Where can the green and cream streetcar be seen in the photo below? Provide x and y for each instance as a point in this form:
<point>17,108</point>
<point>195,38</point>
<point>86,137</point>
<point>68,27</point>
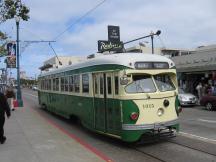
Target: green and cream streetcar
<point>124,95</point>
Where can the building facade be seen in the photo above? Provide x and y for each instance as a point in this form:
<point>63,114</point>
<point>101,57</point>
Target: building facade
<point>198,66</point>
<point>59,62</point>
<point>193,65</point>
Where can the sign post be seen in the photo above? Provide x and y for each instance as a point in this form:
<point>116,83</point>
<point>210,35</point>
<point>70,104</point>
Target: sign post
<point>113,43</point>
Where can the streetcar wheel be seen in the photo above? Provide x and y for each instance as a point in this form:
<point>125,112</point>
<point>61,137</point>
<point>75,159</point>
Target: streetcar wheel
<point>209,106</point>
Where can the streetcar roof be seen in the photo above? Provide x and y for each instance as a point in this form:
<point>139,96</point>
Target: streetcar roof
<point>125,59</point>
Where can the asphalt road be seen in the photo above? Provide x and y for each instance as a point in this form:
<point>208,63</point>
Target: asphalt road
<point>199,122</point>
<point>195,142</point>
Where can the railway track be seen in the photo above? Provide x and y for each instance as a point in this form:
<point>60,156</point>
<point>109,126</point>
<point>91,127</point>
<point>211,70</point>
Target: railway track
<point>158,155</point>
<point>149,155</point>
<point>190,147</point>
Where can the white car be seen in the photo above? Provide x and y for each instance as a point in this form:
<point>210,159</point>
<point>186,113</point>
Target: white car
<point>35,88</point>
<point>186,99</point>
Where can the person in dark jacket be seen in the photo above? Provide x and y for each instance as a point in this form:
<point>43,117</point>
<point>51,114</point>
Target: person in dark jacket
<point>4,108</point>
<point>10,95</point>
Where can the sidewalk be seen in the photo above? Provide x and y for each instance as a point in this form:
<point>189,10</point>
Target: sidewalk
<point>30,138</point>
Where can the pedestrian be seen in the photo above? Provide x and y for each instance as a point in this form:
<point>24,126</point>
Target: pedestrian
<point>199,90</point>
<point>214,90</point>
<point>10,95</point>
<point>184,86</point>
<point>4,108</point>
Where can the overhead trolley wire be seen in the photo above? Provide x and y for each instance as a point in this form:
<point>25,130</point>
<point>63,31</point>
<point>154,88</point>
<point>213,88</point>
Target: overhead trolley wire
<point>79,19</point>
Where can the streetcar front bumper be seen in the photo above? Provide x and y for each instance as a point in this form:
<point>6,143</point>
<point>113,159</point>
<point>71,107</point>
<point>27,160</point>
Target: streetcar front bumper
<point>132,132</point>
<point>154,126</point>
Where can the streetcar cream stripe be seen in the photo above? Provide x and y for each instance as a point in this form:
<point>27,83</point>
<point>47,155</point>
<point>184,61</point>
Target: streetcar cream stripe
<point>207,121</point>
<point>199,137</point>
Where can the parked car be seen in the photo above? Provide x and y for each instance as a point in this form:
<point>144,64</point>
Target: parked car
<point>186,99</point>
<point>34,87</point>
<point>209,101</point>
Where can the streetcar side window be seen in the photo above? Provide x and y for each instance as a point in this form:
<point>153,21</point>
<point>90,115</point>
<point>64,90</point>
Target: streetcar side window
<point>96,84</point>
<point>46,84</point>
<point>85,83</point>
<point>116,85</point>
<point>49,84</point>
<point>77,83</point>
<point>62,83</point>
<point>71,84</point>
<point>57,84</point>
<point>109,85</point>
<point>42,84</point>
<point>54,84</point>
<point>101,84</point>
<point>66,84</point>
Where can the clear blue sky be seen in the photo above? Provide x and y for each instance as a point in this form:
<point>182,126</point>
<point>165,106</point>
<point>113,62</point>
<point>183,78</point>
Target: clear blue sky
<point>184,24</point>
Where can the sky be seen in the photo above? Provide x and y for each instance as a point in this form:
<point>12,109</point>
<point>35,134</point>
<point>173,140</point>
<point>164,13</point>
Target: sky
<point>183,24</point>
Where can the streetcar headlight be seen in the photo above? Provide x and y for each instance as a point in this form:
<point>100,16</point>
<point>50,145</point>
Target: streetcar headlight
<point>160,111</point>
<point>134,115</point>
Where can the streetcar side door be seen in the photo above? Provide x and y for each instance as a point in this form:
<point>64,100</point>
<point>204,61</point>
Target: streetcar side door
<point>100,101</point>
<point>113,110</point>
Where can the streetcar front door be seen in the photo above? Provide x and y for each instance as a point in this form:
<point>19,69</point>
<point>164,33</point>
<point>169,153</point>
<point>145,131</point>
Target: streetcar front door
<point>100,99</point>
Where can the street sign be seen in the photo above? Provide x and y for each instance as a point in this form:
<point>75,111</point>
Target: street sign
<point>113,33</point>
<point>109,46</point>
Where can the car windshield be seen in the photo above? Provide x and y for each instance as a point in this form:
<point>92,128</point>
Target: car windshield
<point>141,84</point>
<point>164,82</point>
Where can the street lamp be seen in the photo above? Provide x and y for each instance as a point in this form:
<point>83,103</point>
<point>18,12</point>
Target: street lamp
<point>152,37</point>
<point>19,94</point>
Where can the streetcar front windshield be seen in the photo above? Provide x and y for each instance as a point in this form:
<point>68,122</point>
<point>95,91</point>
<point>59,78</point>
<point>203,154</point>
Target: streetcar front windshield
<point>145,83</point>
<point>164,82</point>
<point>141,84</point>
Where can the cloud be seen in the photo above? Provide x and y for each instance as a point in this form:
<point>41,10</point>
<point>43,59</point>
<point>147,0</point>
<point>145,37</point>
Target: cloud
<point>184,24</point>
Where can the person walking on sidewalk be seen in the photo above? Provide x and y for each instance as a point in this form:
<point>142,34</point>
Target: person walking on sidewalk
<point>199,88</point>
<point>10,95</point>
<point>4,108</point>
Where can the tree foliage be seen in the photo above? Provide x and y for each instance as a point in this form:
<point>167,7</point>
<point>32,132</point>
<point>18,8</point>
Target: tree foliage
<point>3,41</point>
<point>27,82</point>
<point>10,9</point>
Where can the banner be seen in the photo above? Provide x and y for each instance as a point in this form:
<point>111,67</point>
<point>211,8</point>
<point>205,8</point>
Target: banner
<point>11,49</point>
<point>11,62</point>
<point>11,55</point>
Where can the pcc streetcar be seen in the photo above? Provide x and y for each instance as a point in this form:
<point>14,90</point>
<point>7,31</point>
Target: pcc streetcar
<point>123,95</point>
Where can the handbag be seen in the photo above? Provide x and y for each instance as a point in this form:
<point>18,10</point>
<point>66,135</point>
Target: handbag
<point>15,103</point>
